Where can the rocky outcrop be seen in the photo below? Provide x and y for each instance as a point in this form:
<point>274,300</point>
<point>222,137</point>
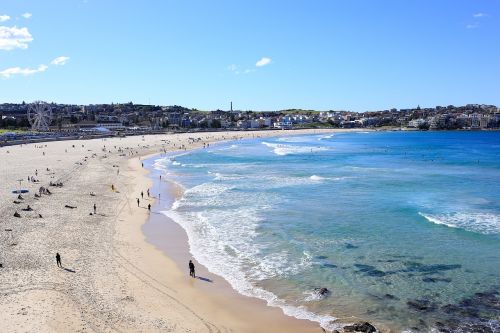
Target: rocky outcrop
<point>360,327</point>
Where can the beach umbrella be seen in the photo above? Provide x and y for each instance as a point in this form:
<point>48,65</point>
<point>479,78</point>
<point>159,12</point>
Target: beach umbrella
<point>20,189</point>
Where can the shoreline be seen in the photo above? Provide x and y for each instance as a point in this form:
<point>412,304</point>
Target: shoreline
<point>172,240</point>
<point>113,279</point>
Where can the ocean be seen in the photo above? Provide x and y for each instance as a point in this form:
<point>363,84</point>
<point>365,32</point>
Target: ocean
<point>402,228</point>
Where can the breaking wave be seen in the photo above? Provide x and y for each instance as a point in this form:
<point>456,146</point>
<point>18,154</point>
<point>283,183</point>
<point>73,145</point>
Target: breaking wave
<point>483,223</point>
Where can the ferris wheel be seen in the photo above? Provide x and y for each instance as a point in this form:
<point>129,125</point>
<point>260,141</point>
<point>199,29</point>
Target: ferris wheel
<point>39,116</point>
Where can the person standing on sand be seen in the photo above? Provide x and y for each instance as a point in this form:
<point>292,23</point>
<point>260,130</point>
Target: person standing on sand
<point>149,207</point>
<point>142,194</point>
<point>95,209</point>
<point>58,260</point>
<point>148,192</point>
<point>191,269</point>
<point>137,202</point>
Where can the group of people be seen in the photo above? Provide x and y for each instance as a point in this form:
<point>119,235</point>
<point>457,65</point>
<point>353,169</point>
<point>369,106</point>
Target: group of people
<point>43,190</point>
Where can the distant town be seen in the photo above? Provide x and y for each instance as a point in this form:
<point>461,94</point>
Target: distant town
<point>129,118</point>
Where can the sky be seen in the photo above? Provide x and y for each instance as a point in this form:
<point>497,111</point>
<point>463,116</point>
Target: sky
<point>260,54</point>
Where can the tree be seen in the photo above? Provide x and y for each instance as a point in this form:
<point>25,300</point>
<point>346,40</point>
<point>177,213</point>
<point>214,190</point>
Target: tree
<point>216,123</point>
<point>423,126</point>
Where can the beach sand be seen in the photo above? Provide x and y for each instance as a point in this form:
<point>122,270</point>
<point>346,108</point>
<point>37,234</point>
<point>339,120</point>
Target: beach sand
<point>112,278</point>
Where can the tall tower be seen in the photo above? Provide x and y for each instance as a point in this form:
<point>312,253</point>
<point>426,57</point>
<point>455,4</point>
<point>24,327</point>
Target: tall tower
<point>231,106</point>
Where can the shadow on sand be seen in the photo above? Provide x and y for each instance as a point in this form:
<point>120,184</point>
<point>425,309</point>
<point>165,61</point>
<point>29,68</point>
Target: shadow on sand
<point>204,279</point>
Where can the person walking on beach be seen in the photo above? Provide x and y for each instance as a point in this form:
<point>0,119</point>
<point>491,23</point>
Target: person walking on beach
<point>148,192</point>
<point>137,202</point>
<point>191,269</point>
<point>58,260</point>
<point>95,209</point>
<point>149,207</point>
<point>142,194</point>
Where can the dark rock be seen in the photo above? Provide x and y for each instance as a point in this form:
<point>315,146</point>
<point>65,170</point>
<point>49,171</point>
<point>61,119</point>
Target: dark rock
<point>369,270</point>
<point>450,309</point>
<point>433,279</point>
<point>388,260</point>
<point>360,327</point>
<point>479,328</point>
<point>349,246</point>
<point>389,296</point>
<point>423,305</point>
<point>322,291</point>
<point>321,257</point>
<point>330,265</point>
<point>412,266</point>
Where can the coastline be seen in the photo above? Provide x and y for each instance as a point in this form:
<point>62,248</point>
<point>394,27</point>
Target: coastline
<point>113,279</point>
<point>212,292</point>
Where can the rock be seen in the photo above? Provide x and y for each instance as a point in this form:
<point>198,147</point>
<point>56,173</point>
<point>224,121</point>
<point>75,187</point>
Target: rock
<point>421,305</point>
<point>369,270</point>
<point>360,327</point>
<point>322,291</point>
<point>391,297</point>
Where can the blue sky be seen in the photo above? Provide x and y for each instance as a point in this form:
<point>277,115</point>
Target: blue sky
<point>262,55</point>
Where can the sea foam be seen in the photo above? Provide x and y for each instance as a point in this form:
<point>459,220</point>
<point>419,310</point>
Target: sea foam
<point>283,150</point>
<point>483,223</point>
<point>230,253</point>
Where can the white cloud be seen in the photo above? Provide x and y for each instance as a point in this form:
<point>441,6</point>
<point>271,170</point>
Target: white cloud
<point>59,61</point>
<point>27,15</point>
<point>263,62</point>
<point>7,73</point>
<point>4,18</point>
<point>14,37</point>
<point>477,15</point>
<point>232,68</point>
<point>472,26</point>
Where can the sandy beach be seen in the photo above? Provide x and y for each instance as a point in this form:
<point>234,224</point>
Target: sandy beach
<point>112,278</point>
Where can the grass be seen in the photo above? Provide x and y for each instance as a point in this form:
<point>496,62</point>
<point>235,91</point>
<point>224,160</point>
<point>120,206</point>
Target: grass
<point>18,131</point>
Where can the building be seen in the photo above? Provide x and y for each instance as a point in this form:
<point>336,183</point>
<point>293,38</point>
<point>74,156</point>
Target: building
<point>111,126</point>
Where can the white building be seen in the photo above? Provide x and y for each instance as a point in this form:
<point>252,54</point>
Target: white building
<point>111,126</point>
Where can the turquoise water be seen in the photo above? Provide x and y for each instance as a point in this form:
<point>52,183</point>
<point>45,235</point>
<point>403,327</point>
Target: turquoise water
<point>403,228</point>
